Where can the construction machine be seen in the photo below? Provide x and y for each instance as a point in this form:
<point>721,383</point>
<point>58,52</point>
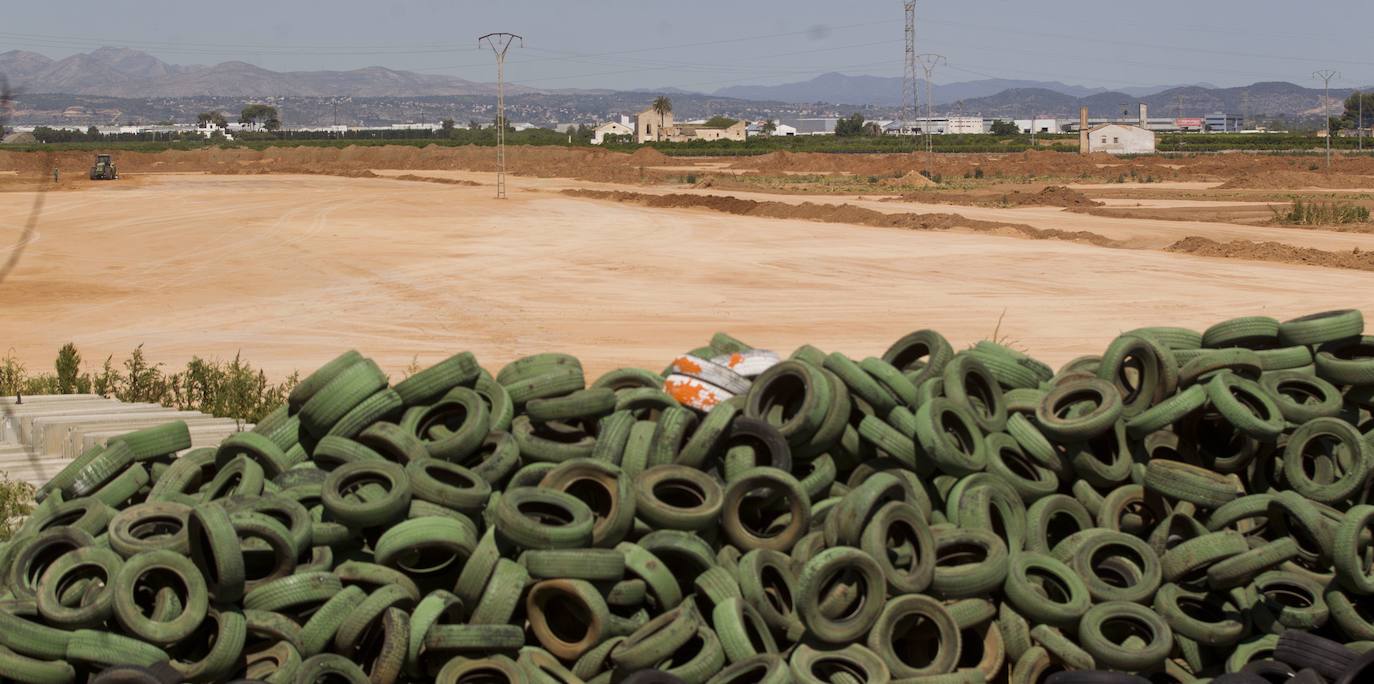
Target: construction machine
<point>104,169</point>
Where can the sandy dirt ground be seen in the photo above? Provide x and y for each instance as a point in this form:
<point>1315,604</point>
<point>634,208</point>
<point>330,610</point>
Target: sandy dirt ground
<point>1143,233</point>
<point>291,269</point>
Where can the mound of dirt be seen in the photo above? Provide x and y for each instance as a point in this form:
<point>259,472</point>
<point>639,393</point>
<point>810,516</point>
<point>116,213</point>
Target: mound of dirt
<point>840,213</point>
<point>432,179</point>
<point>1052,196</point>
<point>1060,196</point>
<point>649,156</point>
<point>1274,251</point>
<point>912,178</point>
<point>1296,180</point>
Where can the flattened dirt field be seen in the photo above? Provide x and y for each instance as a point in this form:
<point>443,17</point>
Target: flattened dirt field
<point>290,269</point>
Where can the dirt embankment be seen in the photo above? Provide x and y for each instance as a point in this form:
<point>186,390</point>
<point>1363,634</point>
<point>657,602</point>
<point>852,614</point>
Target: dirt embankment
<point>841,213</point>
<point>1052,196</point>
<point>1017,165</point>
<point>1274,251</point>
<point>1296,180</point>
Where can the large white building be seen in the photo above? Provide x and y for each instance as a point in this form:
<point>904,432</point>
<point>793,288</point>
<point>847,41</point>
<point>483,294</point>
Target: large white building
<point>966,125</point>
<point>1038,125</point>
<point>812,125</point>
<point>780,129</point>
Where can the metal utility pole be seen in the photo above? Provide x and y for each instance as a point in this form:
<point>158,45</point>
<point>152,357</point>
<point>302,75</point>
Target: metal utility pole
<point>1244,108</point>
<point>499,43</point>
<point>1359,129</point>
<point>928,62</point>
<point>1325,76</point>
<point>909,70</point>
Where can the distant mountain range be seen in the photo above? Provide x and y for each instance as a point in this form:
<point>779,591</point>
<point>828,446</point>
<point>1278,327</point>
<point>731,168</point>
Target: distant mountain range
<point>1275,99</point>
<point>128,74</point>
<point>886,91</point>
<point>121,72</point>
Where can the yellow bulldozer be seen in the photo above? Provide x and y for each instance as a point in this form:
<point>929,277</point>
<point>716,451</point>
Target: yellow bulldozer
<point>104,168</point>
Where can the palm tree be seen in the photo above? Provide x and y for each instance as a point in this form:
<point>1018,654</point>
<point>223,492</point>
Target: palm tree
<point>663,107</point>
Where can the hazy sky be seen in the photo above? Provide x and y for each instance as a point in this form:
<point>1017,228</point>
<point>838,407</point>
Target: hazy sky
<point>708,44</point>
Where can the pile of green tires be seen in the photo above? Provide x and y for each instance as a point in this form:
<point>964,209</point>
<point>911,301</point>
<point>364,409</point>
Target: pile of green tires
<point>1168,509</point>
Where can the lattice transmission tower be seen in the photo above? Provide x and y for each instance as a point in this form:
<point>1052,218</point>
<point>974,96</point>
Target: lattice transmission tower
<point>910,107</point>
<point>499,43</point>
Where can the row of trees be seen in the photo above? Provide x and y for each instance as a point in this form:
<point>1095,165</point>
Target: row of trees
<point>252,115</point>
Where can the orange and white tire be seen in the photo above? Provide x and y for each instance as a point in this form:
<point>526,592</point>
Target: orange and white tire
<point>750,363</point>
<point>694,392</point>
<point>712,373</point>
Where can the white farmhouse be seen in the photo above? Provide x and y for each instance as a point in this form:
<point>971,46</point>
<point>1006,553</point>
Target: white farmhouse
<point>613,128</point>
<point>1115,138</point>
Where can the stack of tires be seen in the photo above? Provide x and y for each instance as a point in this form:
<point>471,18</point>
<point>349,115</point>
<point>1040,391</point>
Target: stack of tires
<point>1186,506</point>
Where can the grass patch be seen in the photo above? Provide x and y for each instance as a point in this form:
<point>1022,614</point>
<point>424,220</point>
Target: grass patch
<point>232,389</point>
<point>1314,213</point>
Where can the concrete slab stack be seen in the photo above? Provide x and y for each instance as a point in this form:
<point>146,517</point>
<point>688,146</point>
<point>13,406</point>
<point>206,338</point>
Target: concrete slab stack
<point>39,434</point>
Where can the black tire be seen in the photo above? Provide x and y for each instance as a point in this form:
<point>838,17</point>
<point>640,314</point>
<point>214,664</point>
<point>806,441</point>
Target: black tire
<point>1094,677</point>
<point>1243,678</point>
<point>1268,670</point>
<point>770,448</point>
<point>1361,670</point>
<point>133,674</point>
<point>1308,676</point>
<point>1303,651</point>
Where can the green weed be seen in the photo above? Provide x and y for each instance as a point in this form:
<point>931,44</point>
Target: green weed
<point>232,389</point>
<point>1313,213</point>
